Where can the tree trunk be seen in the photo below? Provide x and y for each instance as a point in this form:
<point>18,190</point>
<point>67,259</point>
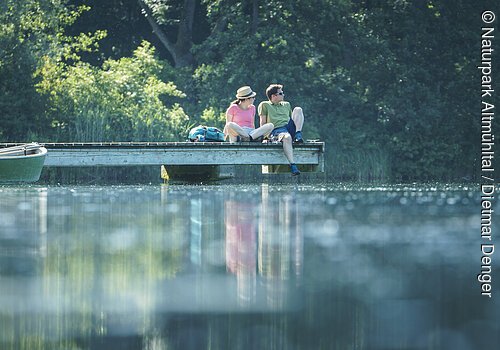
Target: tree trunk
<point>185,36</point>
<point>255,16</point>
<point>181,50</point>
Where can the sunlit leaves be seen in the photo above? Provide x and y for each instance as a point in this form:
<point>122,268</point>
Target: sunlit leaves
<point>164,11</point>
<point>120,101</point>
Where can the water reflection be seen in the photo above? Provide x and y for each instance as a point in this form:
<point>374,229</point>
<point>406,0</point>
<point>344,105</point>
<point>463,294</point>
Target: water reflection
<point>241,246</point>
<point>241,267</point>
<point>264,248</point>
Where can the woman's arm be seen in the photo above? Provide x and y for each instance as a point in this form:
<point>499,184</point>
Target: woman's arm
<point>229,115</point>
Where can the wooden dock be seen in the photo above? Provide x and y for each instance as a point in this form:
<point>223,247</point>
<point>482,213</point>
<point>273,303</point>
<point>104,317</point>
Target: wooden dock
<point>178,154</point>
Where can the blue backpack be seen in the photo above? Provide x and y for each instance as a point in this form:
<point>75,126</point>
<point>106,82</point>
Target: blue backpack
<point>205,134</point>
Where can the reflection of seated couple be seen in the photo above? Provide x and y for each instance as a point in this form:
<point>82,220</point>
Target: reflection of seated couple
<point>241,242</point>
<point>241,247</point>
<point>278,122</point>
<point>271,247</point>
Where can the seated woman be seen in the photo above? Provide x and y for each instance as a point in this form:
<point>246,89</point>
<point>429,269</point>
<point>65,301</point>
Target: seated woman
<point>240,118</point>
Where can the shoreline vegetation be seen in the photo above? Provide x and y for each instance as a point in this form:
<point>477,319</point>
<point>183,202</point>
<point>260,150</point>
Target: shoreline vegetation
<point>383,84</point>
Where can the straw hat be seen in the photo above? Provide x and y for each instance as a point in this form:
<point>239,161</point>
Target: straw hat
<point>245,92</point>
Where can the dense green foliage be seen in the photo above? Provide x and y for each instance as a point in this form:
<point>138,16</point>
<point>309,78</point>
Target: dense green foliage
<point>122,100</point>
<point>391,86</point>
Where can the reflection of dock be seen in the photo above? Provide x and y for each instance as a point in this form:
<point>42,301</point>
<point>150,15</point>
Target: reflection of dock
<point>23,226</point>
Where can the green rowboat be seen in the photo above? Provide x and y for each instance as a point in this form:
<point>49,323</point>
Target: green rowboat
<point>22,163</point>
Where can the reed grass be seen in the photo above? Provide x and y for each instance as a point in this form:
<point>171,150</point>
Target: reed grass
<point>358,165</point>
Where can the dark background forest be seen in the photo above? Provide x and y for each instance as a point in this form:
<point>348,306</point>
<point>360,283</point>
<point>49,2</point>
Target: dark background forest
<point>392,86</point>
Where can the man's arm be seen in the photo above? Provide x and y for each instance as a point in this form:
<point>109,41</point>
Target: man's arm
<point>262,110</point>
<point>263,119</point>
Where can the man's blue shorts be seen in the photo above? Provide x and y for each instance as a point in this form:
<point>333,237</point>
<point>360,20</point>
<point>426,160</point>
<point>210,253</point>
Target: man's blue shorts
<point>289,128</point>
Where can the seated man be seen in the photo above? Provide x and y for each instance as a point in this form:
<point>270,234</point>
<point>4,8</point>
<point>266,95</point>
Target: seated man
<point>287,123</point>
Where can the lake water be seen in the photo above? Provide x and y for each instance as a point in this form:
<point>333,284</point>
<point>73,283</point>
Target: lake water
<point>266,266</point>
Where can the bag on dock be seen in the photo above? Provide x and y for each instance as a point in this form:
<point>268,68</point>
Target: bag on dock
<point>203,133</point>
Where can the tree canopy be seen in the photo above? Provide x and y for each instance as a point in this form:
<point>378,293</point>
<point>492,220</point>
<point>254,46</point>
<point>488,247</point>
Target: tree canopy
<point>391,86</point>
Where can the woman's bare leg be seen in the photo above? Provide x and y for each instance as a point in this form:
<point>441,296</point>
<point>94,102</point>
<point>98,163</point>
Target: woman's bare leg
<point>234,130</point>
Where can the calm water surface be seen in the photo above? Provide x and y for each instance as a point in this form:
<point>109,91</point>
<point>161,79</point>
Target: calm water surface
<point>244,267</point>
